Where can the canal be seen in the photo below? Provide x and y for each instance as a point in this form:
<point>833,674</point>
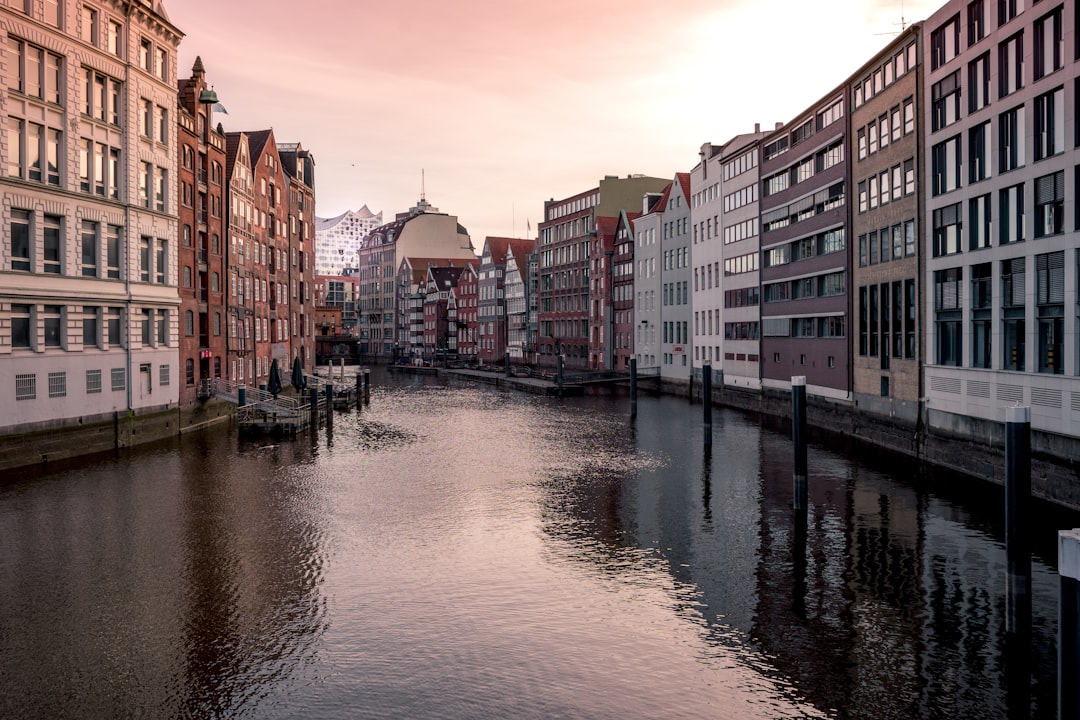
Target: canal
<point>454,551</point>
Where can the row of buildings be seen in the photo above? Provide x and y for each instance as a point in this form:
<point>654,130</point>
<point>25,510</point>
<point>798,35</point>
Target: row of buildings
<point>146,251</point>
<point>906,242</point>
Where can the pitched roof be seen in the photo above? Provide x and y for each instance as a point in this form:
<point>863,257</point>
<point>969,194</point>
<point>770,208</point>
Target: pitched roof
<point>684,182</point>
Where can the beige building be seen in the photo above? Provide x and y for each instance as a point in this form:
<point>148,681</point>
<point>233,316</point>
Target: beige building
<point>88,277</point>
<point>886,283</point>
<point>421,232</point>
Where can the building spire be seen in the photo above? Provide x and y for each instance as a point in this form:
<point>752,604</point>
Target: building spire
<point>423,198</point>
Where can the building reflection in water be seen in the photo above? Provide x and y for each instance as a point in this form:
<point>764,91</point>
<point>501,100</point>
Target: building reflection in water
<point>885,600</point>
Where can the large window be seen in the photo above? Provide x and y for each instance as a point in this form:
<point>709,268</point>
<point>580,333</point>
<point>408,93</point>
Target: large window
<point>981,315</point>
<point>1050,302</point>
<point>948,321</point>
<point>1011,214</point>
<point>20,326</point>
<point>947,230</point>
<point>1049,50</point>
<point>979,222</point>
<point>1050,123</point>
<point>945,160</point>
<point>52,243</point>
<point>976,19</point>
<point>945,109</point>
<point>1013,290</point>
<point>945,42</point>
<point>33,151</point>
<point>979,152</point>
<point>1050,204</point>
<point>38,72</point>
<point>101,96</point>
<point>1011,65</point>
<point>20,240</point>
<point>89,249</point>
<point>979,82</point>
<point>1011,139</point>
<point>99,169</point>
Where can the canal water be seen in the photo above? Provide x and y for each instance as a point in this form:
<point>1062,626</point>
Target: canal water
<point>454,551</point>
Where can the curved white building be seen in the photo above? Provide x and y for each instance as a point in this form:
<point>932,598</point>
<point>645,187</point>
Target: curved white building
<point>338,238</point>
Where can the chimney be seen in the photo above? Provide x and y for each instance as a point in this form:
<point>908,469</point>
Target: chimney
<point>779,125</point>
<point>757,128</point>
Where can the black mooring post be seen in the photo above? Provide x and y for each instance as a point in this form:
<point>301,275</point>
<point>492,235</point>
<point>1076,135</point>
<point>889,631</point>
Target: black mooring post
<point>798,438</point>
<point>241,397</point>
<point>313,399</point>
<point>1017,517</point>
<point>559,374</point>
<point>1069,624</point>
<point>706,399</point>
<point>367,387</point>
<point>633,386</point>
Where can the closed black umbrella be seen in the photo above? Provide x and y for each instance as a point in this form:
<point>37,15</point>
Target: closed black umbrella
<point>273,385</point>
<point>298,375</point>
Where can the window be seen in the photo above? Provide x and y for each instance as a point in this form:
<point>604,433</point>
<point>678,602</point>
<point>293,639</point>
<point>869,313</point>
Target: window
<point>20,240</point>
<point>53,328</point>
<point>1008,9</point>
<point>1050,204</point>
<point>52,244</point>
<point>147,109</point>
<point>112,326</point>
<point>979,218</point>
<point>163,125</point>
<point>909,238</point>
<point>162,189</point>
<point>1011,65</point>
<point>1049,50</point>
<point>947,229</point>
<point>1011,139</point>
<point>20,326</point>
<point>146,184</point>
<point>162,64</point>
<point>1013,290</point>
<point>113,42</point>
<point>89,30</point>
<point>981,318</point>
<point>1050,301</point>
<point>945,160</point>
<point>57,384</point>
<point>147,327</point>
<point>34,151</point>
<point>945,42</point>
<point>89,245</point>
<point>99,169</point>
<point>189,323</point>
<point>976,17</point>
<point>1050,123</point>
<point>1011,214</point>
<point>163,328</point>
<point>909,116</point>
<point>979,152</point>
<point>93,382</point>
<point>163,373</point>
<point>26,386</point>
<point>119,379</point>
<point>979,82</point>
<point>861,135</point>
<point>101,96</point>
<point>112,250</point>
<point>146,55</point>
<point>948,321</point>
<point>91,327</point>
<point>945,108</point>
<point>37,72</point>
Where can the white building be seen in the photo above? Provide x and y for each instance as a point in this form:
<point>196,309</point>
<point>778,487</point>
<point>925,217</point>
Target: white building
<point>338,238</point>
<point>648,229</point>
<point>1001,222</point>
<point>726,308</point>
<point>88,278</point>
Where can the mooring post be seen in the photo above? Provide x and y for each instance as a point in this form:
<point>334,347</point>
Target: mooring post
<point>506,364</point>
<point>706,400</point>
<point>367,387</point>
<point>241,396</point>
<point>559,374</point>
<point>798,438</point>
<point>313,400</point>
<point>1017,517</point>
<point>633,386</point>
<point>1069,624</point>
<point>329,398</point>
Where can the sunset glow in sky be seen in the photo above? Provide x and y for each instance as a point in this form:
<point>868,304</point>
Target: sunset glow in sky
<point>506,103</point>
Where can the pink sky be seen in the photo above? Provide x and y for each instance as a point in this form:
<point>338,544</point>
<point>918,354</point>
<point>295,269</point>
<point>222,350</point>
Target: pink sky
<point>506,103</point>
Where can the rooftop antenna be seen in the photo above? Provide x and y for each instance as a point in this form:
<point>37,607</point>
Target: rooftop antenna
<point>422,197</point>
<point>902,23</point>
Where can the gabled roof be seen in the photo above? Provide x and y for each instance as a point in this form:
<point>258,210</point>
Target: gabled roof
<point>661,204</point>
<point>684,182</point>
<point>257,140</point>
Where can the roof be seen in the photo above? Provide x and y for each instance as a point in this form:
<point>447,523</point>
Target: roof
<point>684,182</point>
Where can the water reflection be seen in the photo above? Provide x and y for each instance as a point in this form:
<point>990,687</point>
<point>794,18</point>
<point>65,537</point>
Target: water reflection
<point>459,552</point>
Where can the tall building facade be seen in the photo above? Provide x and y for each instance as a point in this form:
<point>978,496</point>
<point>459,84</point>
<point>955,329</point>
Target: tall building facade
<point>804,257</point>
<point>201,255</point>
<point>886,282</point>
<point>673,263</point>
<point>298,165</point>
<point>648,231</point>
<point>88,276</point>
<point>1001,139</point>
<point>622,291</point>
<point>492,310</point>
<point>338,239</point>
<point>564,251</point>
<point>240,211</point>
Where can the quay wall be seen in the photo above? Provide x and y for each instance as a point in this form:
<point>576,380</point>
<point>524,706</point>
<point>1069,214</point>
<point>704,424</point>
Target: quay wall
<point>52,442</point>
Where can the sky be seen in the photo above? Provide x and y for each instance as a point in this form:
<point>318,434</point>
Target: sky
<point>502,104</point>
